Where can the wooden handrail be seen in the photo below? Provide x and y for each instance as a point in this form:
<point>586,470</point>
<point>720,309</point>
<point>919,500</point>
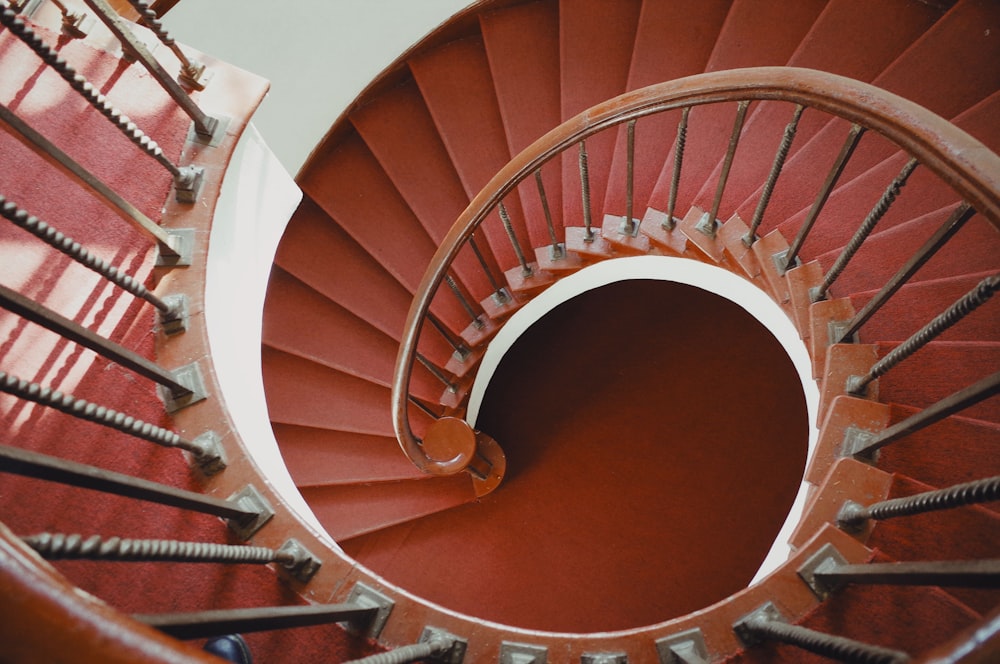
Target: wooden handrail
<point>51,620</point>
<point>961,161</point>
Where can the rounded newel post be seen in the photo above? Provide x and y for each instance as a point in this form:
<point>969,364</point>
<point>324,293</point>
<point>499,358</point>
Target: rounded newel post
<point>451,445</point>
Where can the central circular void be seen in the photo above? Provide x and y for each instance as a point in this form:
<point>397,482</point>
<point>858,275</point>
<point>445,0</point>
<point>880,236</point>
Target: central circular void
<point>656,436</point>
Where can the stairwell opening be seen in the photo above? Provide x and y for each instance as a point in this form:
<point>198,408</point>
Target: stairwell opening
<point>656,435</point>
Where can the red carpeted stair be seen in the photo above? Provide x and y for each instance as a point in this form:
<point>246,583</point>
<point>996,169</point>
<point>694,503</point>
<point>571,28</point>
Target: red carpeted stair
<point>460,106</point>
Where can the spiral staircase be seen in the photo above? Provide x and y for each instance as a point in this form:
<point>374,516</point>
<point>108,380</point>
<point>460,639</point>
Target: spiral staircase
<point>521,145</point>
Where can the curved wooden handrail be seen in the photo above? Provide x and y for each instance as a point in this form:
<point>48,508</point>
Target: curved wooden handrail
<point>963,162</point>
<point>46,618</point>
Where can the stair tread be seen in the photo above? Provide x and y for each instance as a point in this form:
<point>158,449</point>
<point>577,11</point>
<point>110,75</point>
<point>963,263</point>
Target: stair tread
<point>955,450</point>
<point>596,46</point>
<point>963,533</point>
<point>946,86</point>
<point>939,369</point>
<point>922,301</point>
<point>473,131</point>
<point>923,191</point>
<point>351,510</point>
<point>522,46</point>
<point>400,132</point>
<point>317,457</point>
<point>355,280</point>
<point>972,250</point>
<point>308,394</point>
<point>350,186</point>
<point>670,42</point>
<point>303,322</point>
<point>753,35</point>
<point>844,41</point>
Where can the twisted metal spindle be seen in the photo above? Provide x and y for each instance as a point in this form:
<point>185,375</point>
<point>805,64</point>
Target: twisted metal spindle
<point>411,653</point>
<point>73,249</point>
<point>956,312</point>
<point>709,223</point>
<point>59,546</point>
<point>205,449</point>
<point>588,235</point>
<point>526,270</point>
<point>772,177</point>
<point>952,225</point>
<point>850,143</point>
<point>204,125</point>
<point>477,320</point>
<point>557,250</point>
<point>629,227</point>
<point>837,647</point>
<point>853,515</point>
<point>867,226</point>
<point>183,177</point>
<point>675,179</point>
<point>190,74</point>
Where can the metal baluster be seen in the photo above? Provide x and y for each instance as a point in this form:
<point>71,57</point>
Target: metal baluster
<point>437,373</point>
<point>72,22</point>
<point>204,125</point>
<point>167,245</point>
<point>436,645</point>
<point>477,320</point>
<point>957,219</point>
<point>191,72</point>
<point>58,546</point>
<point>557,250</point>
<point>766,624</point>
<point>461,351</point>
<point>55,469</point>
<point>675,180</point>
<point>172,312</point>
<point>500,295</point>
<point>956,312</point>
<point>588,235</point>
<point>772,178</point>
<point>205,624</point>
<point>629,227</point>
<point>709,223</point>
<point>526,270</point>
<point>186,179</point>
<point>205,448</point>
<point>853,136</point>
<point>948,573</point>
<point>858,442</point>
<point>64,327</point>
<point>867,226</point>
<point>853,515</point>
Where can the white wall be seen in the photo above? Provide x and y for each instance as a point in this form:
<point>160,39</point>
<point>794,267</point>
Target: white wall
<point>318,54</point>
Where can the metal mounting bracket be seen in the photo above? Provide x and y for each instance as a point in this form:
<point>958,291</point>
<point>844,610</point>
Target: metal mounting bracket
<point>304,564</point>
<point>767,612</point>
<point>182,244</point>
<point>687,647</point>
<point>455,653</point>
<point>366,596</point>
<point>176,320</point>
<point>522,653</point>
<point>779,261</point>
<point>190,377</point>
<point>251,500</point>
<point>604,658</point>
<point>707,226</point>
<point>214,459</point>
<point>856,439</point>
<point>825,558</point>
